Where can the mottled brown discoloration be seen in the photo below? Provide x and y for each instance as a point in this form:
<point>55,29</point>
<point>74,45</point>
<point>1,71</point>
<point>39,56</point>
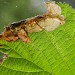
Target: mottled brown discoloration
<point>48,21</point>
<point>4,56</point>
<point>17,24</point>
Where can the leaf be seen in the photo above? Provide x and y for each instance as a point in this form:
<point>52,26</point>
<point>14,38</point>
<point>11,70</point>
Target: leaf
<point>49,53</point>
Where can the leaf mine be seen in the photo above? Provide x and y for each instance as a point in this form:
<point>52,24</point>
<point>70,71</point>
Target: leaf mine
<point>48,21</point>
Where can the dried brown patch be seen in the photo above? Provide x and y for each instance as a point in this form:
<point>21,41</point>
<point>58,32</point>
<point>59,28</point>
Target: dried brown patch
<point>21,29</point>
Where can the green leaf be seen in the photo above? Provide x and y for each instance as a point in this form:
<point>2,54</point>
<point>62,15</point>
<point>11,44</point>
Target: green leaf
<point>49,53</point>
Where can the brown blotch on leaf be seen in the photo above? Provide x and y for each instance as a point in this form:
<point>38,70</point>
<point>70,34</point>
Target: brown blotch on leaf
<point>17,24</point>
<point>4,56</point>
<point>0,36</point>
<point>8,35</point>
<point>48,21</point>
<point>23,36</point>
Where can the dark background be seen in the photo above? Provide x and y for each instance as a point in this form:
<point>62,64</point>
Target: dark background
<point>16,10</point>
